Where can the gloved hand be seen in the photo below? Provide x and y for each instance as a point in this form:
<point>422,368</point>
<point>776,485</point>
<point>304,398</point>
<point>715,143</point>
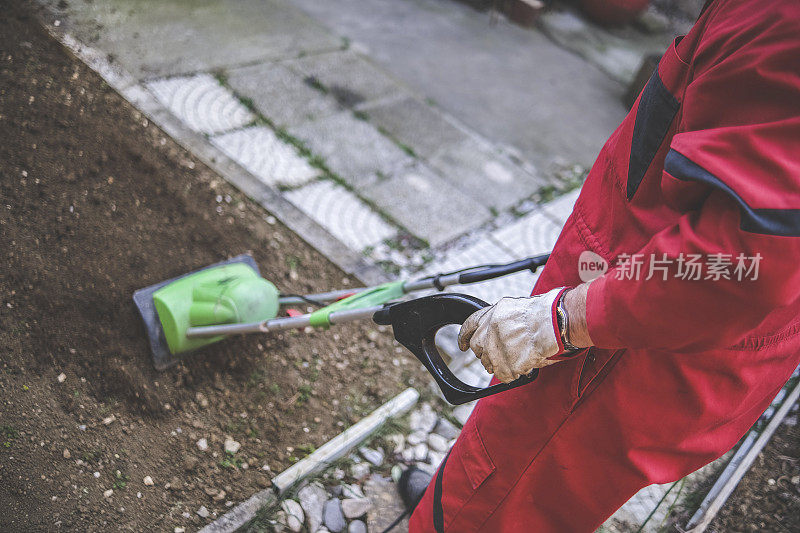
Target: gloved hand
<point>513,336</point>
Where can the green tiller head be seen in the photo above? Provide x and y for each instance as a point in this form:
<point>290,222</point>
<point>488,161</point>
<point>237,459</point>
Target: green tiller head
<point>227,293</point>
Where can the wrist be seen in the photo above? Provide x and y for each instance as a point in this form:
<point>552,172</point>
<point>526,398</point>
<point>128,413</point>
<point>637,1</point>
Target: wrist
<point>575,304</point>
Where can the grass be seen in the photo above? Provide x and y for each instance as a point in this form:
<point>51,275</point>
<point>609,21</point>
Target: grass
<point>230,461</point>
<point>314,83</point>
<point>8,434</point>
<point>305,393</point>
<point>120,480</point>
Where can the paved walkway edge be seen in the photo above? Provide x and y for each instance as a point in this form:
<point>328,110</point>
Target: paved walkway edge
<point>137,95</point>
<point>340,445</point>
<point>315,463</point>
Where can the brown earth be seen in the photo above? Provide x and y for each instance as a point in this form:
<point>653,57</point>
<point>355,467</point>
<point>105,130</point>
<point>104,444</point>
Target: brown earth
<point>768,497</point>
<point>97,202</point>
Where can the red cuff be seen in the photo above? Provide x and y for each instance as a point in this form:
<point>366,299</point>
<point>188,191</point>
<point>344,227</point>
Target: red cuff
<point>599,319</point>
<point>562,354</point>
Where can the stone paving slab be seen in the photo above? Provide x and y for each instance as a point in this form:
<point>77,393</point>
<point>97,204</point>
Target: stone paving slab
<point>201,102</point>
<point>485,251</point>
<point>157,39</point>
<point>533,234</point>
<point>349,77</point>
<point>511,85</point>
<point>428,206</point>
<point>474,168</point>
<point>281,94</point>
<point>345,216</point>
<point>561,208</point>
<point>352,148</point>
<point>618,53</point>
<point>273,161</point>
<point>416,124</point>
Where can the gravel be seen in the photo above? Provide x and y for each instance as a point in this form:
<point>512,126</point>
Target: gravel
<point>423,419</point>
<point>312,500</point>
<point>231,446</point>
<point>334,518</point>
<point>355,507</point>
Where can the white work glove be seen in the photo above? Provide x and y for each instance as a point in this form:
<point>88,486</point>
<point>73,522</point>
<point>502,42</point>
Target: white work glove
<point>513,336</point>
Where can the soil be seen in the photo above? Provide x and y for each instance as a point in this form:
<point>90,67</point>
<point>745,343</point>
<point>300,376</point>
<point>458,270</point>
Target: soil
<point>96,203</point>
<point>768,496</point>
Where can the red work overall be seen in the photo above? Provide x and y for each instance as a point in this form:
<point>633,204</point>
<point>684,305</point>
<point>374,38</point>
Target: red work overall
<point>706,164</point>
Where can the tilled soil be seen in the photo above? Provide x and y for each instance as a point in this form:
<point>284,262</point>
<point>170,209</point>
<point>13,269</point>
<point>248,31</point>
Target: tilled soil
<point>96,203</point>
<point>768,497</point>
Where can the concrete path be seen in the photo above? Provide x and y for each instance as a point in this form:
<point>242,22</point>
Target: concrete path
<point>510,84</point>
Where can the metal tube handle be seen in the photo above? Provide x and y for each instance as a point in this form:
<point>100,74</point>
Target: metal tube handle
<point>415,324</point>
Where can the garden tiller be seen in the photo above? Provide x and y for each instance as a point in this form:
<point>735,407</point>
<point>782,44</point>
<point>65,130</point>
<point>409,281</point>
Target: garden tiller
<point>203,307</point>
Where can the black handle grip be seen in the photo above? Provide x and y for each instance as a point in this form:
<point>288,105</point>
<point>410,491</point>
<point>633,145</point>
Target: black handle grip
<point>415,324</point>
<point>492,272</point>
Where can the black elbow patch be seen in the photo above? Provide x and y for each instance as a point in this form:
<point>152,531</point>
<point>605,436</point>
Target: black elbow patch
<point>657,108</point>
<point>778,222</point>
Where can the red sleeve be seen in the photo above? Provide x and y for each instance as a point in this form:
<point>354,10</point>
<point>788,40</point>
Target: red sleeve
<point>736,156</point>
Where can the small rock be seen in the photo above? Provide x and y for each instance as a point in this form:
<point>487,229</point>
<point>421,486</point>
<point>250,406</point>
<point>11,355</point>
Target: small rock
<point>407,455</point>
<point>420,452</point>
<point>280,521</point>
<point>231,446</point>
<point>437,443</point>
<point>219,496</point>
<point>351,491</point>
<point>338,474</point>
<point>190,462</point>
<point>355,507</point>
<point>179,530</point>
<point>203,512</point>
<point>334,518</point>
<point>423,419</point>
<point>795,480</point>
<point>109,419</point>
<point>294,523</point>
<point>202,444</point>
<point>108,493</point>
<point>359,470</point>
<point>312,500</point>
<point>148,481</point>
<point>66,454</point>
<point>294,514</point>
<point>61,377</point>
<point>201,399</point>
<point>373,456</point>
<point>446,429</point>
<point>357,526</point>
<point>435,459</point>
<point>397,471</point>
<point>417,437</point>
